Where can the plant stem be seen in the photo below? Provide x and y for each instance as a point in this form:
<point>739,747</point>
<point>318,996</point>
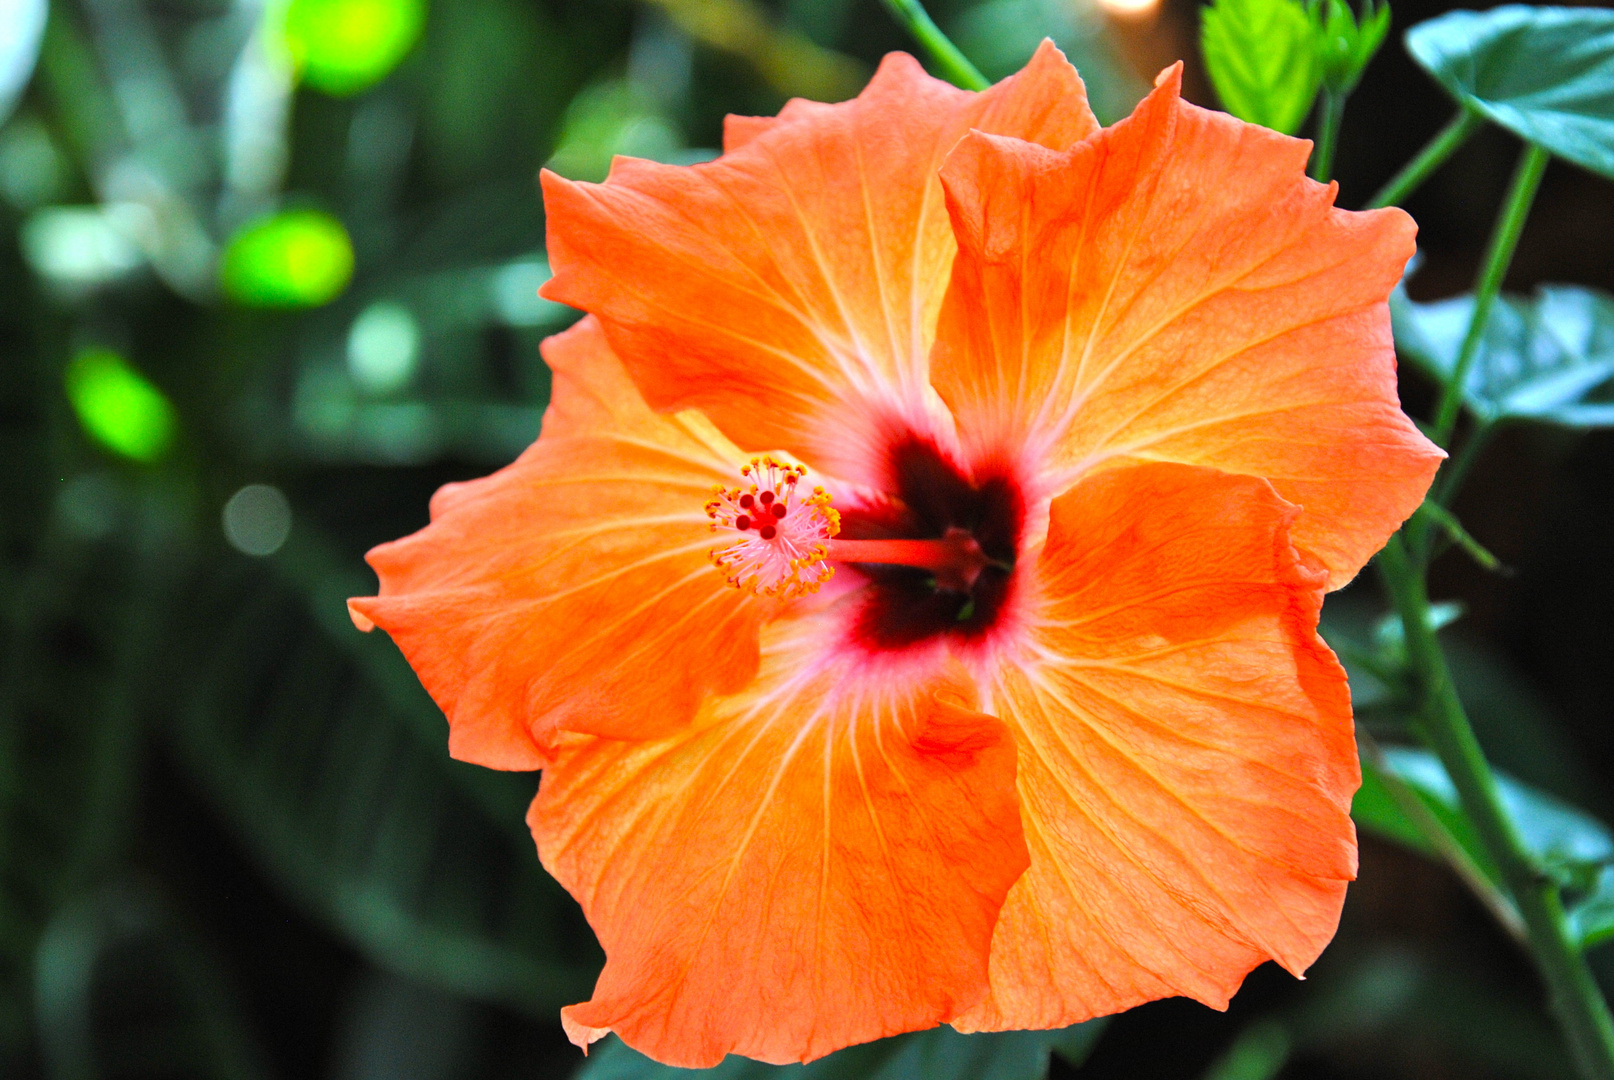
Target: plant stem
<point>1498,257</point>
<point>1447,523</point>
<point>1453,473</point>
<point>954,66</point>
<point>1430,158</point>
<point>1322,158</point>
<point>1574,996</point>
<point>1441,839</point>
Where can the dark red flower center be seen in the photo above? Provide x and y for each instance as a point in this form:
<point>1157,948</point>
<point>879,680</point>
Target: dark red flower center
<point>930,497</point>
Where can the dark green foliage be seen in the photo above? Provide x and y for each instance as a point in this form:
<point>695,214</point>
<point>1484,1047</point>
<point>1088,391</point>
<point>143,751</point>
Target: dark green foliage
<point>1546,74</point>
<point>940,1054</point>
<point>1548,358</point>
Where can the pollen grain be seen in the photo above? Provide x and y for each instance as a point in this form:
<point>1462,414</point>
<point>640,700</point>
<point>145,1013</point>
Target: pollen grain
<point>777,535</point>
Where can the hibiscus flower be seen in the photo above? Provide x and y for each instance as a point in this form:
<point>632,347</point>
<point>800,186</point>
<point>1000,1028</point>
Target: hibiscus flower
<point>911,600</point>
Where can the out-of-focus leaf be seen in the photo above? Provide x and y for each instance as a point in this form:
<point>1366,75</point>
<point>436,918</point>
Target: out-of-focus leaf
<point>1547,358</point>
<point>338,790</point>
<point>1388,1005</point>
<point>1544,73</point>
<point>1001,35</point>
<point>118,406</point>
<point>76,636</point>
<point>790,62</point>
<point>610,119</point>
<point>345,46</point>
<point>1259,1053</point>
<point>1374,651</point>
<point>1347,45</point>
<point>938,1054</point>
<point>32,169</point>
<point>294,259</point>
<point>123,992</point>
<point>22,28</point>
<point>1262,57</point>
<point>1565,842</point>
<point>1592,918</point>
<point>1376,809</point>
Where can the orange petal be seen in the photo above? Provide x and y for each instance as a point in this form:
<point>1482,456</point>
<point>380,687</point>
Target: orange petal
<point>573,588</point>
<point>782,286</point>
<point>816,862</point>
<point>1176,289</point>
<point>1186,755</point>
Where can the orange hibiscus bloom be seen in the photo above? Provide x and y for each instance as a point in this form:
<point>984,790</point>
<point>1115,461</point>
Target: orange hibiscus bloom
<point>1018,715</point>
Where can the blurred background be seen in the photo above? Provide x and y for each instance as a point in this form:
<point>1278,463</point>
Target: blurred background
<point>268,278</point>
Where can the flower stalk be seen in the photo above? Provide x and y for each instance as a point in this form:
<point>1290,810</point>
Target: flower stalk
<point>950,61</point>
<point>1574,996</point>
<point>1332,111</point>
<point>1498,257</point>
<point>1412,175</point>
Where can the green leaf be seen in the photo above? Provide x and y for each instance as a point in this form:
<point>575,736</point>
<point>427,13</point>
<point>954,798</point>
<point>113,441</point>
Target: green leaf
<point>1376,809</point>
<point>334,772</point>
<point>1546,74</point>
<point>1262,57</point>
<point>1259,1053</point>
<point>1565,842</point>
<point>1346,45</point>
<point>19,48</point>
<point>938,1054</point>
<point>1592,918</point>
<point>1548,358</point>
<point>616,118</point>
<point>123,991</point>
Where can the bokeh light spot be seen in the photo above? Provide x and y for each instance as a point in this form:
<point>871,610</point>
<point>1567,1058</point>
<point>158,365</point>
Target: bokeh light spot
<point>382,347</point>
<point>345,46</point>
<point>76,246</point>
<point>515,294</point>
<point>118,407</point>
<point>1131,9</point>
<point>257,520</point>
<point>297,258</point>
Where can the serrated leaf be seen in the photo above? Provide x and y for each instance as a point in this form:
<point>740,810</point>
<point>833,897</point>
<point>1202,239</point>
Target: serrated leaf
<point>1548,358</point>
<point>1262,57</point>
<point>938,1054</point>
<point>359,819</point>
<point>1546,74</point>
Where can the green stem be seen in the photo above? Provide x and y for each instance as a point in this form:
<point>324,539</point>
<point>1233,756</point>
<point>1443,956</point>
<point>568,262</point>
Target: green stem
<point>1430,158</point>
<point>1575,998</point>
<point>1441,839</point>
<point>1447,523</point>
<point>1498,257</point>
<point>1420,539</point>
<point>954,66</point>
<point>1322,158</point>
<point>1456,470</point>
